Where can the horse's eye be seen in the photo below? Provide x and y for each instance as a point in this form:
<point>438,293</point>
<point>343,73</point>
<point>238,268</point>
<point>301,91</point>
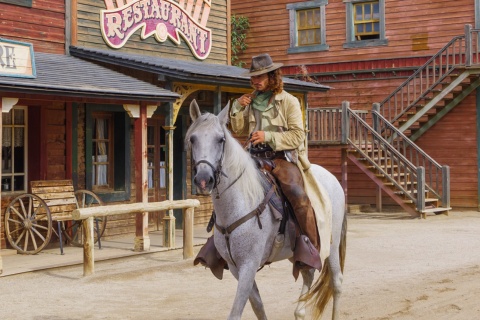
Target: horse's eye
<point>192,139</point>
<point>221,140</point>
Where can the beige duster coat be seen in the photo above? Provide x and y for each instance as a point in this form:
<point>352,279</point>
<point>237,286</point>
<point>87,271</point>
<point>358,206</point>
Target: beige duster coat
<point>286,114</point>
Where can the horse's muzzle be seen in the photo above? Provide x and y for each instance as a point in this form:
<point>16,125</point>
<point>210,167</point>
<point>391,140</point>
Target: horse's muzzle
<point>204,181</point>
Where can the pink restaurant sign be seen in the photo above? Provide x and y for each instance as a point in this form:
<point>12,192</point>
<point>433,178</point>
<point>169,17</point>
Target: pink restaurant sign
<point>164,19</point>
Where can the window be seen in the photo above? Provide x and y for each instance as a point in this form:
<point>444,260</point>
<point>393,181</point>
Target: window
<point>107,153</point>
<point>367,20</point>
<point>14,151</point>
<point>365,23</point>
<point>23,3</point>
<point>156,154</point>
<point>307,26</point>
<point>102,153</point>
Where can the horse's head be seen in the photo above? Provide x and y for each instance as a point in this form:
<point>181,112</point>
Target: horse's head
<point>206,137</point>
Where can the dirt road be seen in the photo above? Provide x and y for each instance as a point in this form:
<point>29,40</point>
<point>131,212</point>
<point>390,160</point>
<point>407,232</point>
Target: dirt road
<point>396,268</point>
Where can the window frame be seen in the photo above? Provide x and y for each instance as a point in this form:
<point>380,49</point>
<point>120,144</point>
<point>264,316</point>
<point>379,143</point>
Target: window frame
<point>121,152</point>
<point>293,8</point>
<point>110,162</point>
<point>351,41</point>
<point>11,175</point>
<point>21,3</point>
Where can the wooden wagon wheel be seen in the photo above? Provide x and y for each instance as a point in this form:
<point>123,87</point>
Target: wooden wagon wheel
<point>73,230</point>
<point>28,224</point>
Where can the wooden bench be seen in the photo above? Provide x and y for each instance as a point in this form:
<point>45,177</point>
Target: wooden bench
<point>29,217</point>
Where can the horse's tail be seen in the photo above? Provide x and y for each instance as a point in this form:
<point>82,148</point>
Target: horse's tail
<point>322,290</point>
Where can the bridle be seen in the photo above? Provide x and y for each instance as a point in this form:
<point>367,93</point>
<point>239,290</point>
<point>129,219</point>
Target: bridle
<point>218,172</point>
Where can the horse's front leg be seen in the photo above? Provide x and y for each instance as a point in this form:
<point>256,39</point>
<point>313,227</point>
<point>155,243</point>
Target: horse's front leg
<point>256,302</point>
<point>307,276</point>
<point>246,289</point>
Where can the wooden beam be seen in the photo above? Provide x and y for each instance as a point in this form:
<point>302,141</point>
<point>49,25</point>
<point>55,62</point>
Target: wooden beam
<point>79,98</point>
<point>188,233</point>
<point>142,240</point>
<point>68,141</point>
<point>137,207</point>
<point>229,32</point>
<point>42,156</point>
<point>74,23</point>
<point>88,247</point>
<point>1,131</point>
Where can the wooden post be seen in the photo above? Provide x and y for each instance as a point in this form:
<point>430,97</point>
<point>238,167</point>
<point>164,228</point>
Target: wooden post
<point>421,191</point>
<point>1,140</point>
<point>468,45</point>
<point>188,233</point>
<point>345,122</point>
<point>379,204</point>
<point>88,247</point>
<point>142,240</point>
<point>345,174</point>
<point>169,219</point>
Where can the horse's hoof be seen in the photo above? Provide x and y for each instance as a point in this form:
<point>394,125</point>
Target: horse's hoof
<point>300,314</point>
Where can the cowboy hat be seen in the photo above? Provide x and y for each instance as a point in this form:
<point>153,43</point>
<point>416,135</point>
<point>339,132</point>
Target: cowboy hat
<point>261,64</point>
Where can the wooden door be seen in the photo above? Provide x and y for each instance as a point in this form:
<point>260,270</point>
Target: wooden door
<point>157,173</point>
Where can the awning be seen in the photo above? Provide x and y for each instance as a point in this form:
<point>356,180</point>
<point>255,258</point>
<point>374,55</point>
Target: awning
<point>62,75</point>
<point>187,71</point>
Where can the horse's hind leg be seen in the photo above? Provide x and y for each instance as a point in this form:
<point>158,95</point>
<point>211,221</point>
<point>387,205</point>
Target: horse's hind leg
<point>256,302</point>
<point>336,283</point>
<point>307,276</point>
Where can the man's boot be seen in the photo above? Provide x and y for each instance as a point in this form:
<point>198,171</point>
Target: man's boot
<point>291,182</point>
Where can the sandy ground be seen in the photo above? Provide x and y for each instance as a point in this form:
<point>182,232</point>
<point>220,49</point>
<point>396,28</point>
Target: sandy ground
<point>396,268</point>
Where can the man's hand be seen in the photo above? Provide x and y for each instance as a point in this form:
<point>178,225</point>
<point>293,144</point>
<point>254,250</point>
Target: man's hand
<point>245,100</point>
<point>257,137</point>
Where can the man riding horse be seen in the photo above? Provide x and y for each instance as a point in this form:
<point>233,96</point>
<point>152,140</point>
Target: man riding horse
<point>274,120</point>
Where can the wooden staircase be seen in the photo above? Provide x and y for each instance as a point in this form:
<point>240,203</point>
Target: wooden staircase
<point>436,87</point>
<point>437,102</point>
<point>394,165</point>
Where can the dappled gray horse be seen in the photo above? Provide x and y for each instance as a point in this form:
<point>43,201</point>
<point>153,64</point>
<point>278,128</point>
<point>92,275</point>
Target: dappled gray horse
<point>223,166</point>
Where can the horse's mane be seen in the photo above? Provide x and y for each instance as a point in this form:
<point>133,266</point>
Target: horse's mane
<point>236,160</point>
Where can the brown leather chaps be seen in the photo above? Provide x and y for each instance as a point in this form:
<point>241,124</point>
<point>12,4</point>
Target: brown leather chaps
<point>290,179</point>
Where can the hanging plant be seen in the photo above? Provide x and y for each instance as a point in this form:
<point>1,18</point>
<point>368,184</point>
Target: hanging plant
<point>240,26</point>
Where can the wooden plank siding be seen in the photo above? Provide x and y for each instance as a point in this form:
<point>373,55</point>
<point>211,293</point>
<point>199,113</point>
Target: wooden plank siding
<point>43,25</point>
<point>55,132</point>
<point>453,142</point>
<point>440,20</point>
<point>90,35</point>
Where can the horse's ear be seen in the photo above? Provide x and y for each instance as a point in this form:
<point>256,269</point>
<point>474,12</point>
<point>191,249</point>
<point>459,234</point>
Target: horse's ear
<point>194,110</point>
<point>223,115</point>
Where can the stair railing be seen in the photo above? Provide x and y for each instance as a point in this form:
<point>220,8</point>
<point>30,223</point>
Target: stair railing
<point>455,53</point>
<point>394,167</point>
<point>472,42</point>
<point>437,177</point>
<point>325,125</point>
